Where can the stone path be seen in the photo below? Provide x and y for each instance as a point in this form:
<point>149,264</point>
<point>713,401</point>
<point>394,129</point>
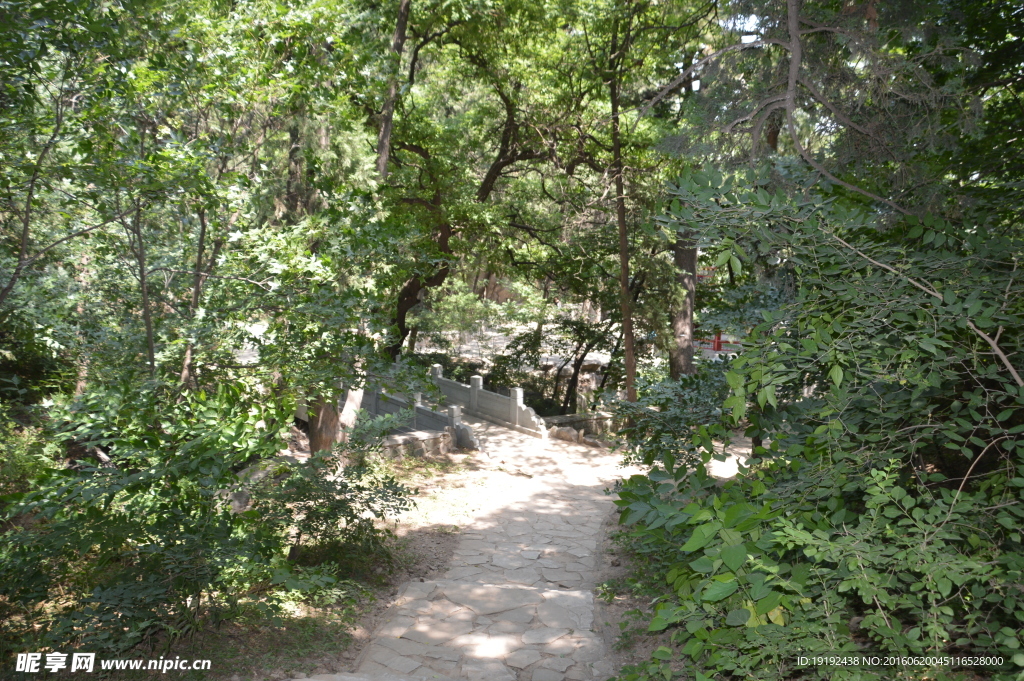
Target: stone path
<point>517,602</point>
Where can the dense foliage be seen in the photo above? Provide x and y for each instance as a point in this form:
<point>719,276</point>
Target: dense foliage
<point>884,517</point>
<point>213,214</point>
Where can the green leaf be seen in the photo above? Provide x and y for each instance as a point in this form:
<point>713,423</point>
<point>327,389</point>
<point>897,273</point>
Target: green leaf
<point>657,624</point>
<point>768,603</point>
<point>734,556</point>
<point>718,590</point>
<point>836,374</point>
<point>701,536</point>
<point>738,618</point>
<point>662,653</point>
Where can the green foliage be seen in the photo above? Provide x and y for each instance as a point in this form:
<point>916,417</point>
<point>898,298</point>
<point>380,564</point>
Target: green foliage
<point>660,423</point>
<point>886,515</point>
<point>24,453</point>
<point>456,309</point>
<point>138,546</point>
<point>331,508</point>
<point>819,556</point>
<point>511,368</point>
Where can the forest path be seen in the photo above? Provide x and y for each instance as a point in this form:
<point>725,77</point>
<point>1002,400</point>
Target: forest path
<point>516,602</point>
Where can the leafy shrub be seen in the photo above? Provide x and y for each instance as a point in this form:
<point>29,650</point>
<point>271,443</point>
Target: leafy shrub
<point>886,516</point>
<point>661,422</point>
<point>331,509</point>
<point>146,546</point>
<point>451,367</point>
<point>818,556</point>
<point>25,453</point>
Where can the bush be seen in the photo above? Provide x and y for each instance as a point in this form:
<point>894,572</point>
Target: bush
<point>26,454</point>
<point>145,547</point>
<point>661,423</point>
<point>886,516</point>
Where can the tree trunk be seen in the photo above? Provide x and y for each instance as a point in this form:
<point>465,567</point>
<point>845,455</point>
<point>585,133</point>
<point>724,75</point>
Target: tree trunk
<point>187,380</point>
<point>388,114</point>
<point>680,356</point>
<point>629,356</point>
<point>410,293</point>
<point>323,424</point>
<point>571,396</point>
<point>147,316</point>
<point>349,412</point>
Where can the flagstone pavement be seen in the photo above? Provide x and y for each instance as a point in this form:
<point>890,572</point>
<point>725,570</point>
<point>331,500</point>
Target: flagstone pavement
<point>517,601</point>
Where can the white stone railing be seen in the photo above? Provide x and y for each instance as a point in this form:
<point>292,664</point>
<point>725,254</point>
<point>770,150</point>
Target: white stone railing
<point>504,411</point>
<point>377,403</point>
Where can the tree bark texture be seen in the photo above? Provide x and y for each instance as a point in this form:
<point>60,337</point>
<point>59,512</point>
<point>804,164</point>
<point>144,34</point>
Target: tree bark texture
<point>323,424</point>
<point>388,114</point>
<point>629,356</point>
<point>680,356</point>
<point>187,380</point>
<point>147,314</point>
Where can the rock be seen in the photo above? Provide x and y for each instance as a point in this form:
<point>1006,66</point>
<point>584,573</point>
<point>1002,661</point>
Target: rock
<point>396,626</point>
<point>543,674</point>
<point>404,646</point>
<point>543,635</point>
<point>564,433</point>
<point>485,600</point>
<point>429,632</point>
<point>556,616</point>
<point>591,441</point>
<point>487,670</point>
<point>559,664</point>
<point>522,659</point>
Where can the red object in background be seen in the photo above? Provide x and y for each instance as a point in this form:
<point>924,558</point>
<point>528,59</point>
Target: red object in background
<point>718,344</point>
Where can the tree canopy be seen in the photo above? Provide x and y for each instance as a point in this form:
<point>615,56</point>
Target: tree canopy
<point>212,213</point>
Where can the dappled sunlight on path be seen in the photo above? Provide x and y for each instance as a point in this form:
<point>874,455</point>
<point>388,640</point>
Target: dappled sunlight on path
<point>516,602</point>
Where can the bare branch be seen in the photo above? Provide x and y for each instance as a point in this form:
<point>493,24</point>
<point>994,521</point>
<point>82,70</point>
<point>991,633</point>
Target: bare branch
<point>840,116</point>
<point>680,79</point>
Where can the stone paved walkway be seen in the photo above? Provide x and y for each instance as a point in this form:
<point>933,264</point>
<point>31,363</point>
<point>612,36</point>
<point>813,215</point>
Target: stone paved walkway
<point>517,601</point>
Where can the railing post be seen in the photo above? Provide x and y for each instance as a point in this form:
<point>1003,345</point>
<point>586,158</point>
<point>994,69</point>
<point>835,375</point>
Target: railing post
<point>417,401</point>
<point>436,371</point>
<point>476,384</point>
<point>515,402</point>
<point>454,415</point>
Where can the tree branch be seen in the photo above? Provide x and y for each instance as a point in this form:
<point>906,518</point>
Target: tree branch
<point>678,80</point>
<point>932,292</point>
